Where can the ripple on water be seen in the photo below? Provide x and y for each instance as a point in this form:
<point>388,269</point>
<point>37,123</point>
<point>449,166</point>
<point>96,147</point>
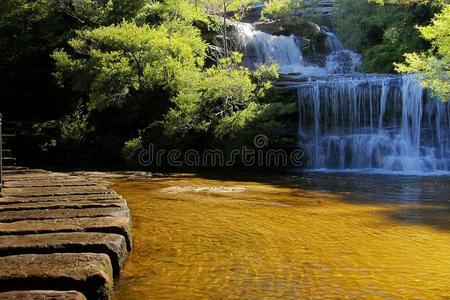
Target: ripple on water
<point>311,236</point>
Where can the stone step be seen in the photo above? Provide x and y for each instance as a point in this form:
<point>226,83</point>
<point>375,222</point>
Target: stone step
<point>6,152</point>
<point>47,183</point>
<point>18,174</point>
<point>55,191</point>
<point>25,172</point>
<point>42,295</point>
<point>88,273</point>
<point>38,176</point>
<point>113,245</point>
<point>21,170</point>
<point>48,214</point>
<point>8,135</point>
<point>118,225</point>
<point>62,205</point>
<point>15,168</point>
<point>66,198</point>
<point>8,161</point>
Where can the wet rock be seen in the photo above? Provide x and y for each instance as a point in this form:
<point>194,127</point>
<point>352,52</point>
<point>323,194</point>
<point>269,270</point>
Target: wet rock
<point>273,28</point>
<point>308,30</point>
<point>88,273</point>
<point>42,295</point>
<point>114,245</point>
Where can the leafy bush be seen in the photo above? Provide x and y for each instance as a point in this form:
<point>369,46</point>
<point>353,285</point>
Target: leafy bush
<point>130,147</point>
<point>281,9</point>
<point>383,33</point>
<point>75,128</point>
<point>433,66</point>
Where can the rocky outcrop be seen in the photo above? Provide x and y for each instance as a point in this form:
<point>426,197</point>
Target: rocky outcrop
<point>273,27</point>
<point>323,7</point>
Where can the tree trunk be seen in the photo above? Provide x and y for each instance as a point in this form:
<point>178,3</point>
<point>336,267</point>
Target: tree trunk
<point>225,42</point>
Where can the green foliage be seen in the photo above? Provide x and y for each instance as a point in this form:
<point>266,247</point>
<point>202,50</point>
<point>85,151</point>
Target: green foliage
<point>130,147</point>
<point>75,129</point>
<point>220,92</point>
<point>434,65</point>
<point>135,64</point>
<point>382,33</point>
<point>281,9</point>
<point>220,7</point>
<point>113,63</point>
<point>158,12</point>
<point>227,101</point>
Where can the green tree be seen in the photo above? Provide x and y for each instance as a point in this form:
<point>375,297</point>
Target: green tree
<point>30,30</point>
<point>113,63</point>
<point>281,9</point>
<point>433,66</point>
<point>226,101</point>
<point>382,33</point>
<point>224,8</point>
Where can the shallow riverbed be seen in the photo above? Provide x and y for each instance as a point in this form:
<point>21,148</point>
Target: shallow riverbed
<point>316,236</point>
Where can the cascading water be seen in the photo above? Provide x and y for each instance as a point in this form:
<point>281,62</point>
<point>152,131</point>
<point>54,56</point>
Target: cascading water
<point>373,122</point>
<point>332,41</point>
<point>263,48</point>
<point>343,61</point>
<point>355,121</point>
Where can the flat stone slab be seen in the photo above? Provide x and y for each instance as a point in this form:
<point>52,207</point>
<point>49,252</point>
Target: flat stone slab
<point>118,225</point>
<point>65,213</point>
<point>61,236</point>
<point>42,295</point>
<point>88,273</point>
<point>96,197</point>
<point>63,182</point>
<point>55,191</point>
<point>114,245</point>
<point>38,177</point>
<point>63,204</point>
<point>21,171</point>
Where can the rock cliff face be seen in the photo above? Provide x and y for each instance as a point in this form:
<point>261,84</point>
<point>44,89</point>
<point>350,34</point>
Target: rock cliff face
<point>324,7</point>
<point>311,7</point>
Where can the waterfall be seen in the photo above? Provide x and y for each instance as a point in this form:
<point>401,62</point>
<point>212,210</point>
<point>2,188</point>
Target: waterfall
<point>355,121</point>
<point>338,128</point>
<point>343,61</point>
<point>332,41</point>
<point>263,48</point>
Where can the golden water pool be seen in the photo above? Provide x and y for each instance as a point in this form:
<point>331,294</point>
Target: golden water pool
<point>288,237</point>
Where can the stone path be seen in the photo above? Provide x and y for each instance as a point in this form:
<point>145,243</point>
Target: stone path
<point>61,236</point>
